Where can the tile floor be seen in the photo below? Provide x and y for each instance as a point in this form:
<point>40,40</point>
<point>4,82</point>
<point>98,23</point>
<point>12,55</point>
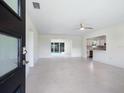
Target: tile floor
<point>74,76</point>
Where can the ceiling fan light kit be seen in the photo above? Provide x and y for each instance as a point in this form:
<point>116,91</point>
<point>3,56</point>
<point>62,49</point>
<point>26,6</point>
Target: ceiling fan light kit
<point>82,29</point>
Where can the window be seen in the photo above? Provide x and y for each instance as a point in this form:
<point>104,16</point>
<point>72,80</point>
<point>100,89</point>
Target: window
<point>57,47</point>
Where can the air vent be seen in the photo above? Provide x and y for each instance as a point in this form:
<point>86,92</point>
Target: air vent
<point>36,5</point>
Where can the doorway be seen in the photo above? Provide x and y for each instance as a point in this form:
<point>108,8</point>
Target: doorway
<point>95,45</point>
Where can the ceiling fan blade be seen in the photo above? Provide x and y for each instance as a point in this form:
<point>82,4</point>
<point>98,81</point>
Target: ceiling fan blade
<point>88,28</point>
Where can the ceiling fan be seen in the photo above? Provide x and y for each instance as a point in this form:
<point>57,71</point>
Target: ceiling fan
<point>82,27</point>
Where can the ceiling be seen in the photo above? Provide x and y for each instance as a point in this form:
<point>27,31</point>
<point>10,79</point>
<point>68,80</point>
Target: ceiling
<point>65,16</point>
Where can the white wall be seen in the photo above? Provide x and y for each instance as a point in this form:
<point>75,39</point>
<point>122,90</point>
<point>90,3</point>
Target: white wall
<point>73,44</point>
<point>115,45</point>
<point>35,45</point>
<point>31,43</point>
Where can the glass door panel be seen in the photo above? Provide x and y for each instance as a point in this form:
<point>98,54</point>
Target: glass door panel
<point>14,5</point>
<point>8,54</point>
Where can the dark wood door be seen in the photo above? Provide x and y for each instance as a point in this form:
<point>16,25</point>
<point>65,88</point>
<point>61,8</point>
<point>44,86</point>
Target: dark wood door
<point>12,41</point>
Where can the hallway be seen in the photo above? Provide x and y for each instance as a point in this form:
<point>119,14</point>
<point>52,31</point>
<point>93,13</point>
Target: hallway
<point>74,76</point>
